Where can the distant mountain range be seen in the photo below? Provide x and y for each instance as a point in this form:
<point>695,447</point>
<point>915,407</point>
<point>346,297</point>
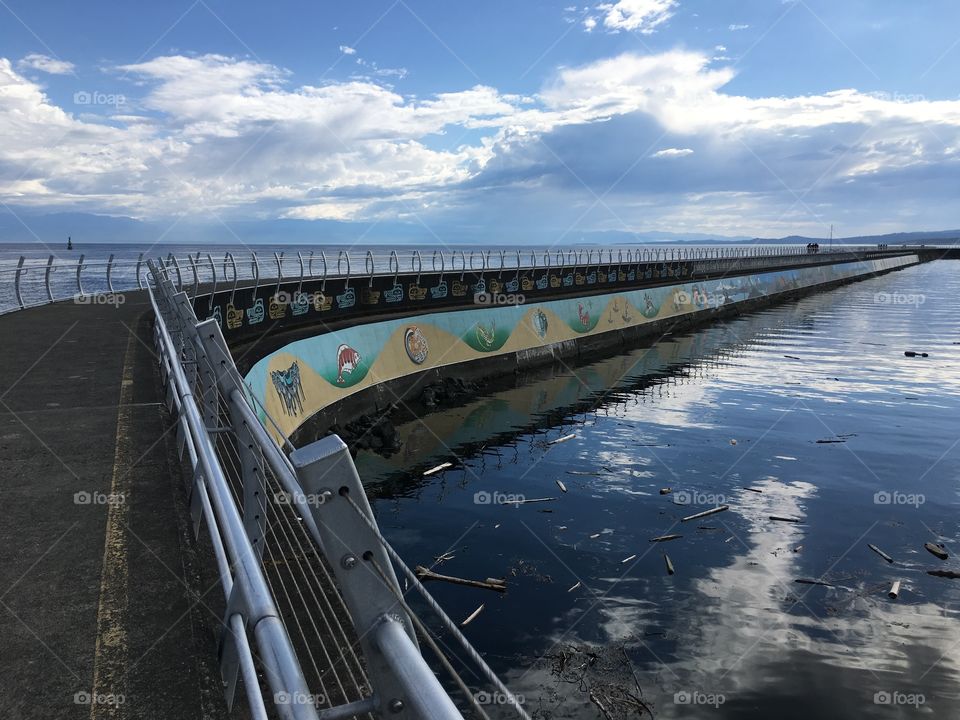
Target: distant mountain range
<point>54,228</point>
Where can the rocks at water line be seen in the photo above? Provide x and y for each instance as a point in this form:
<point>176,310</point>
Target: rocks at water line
<point>447,391</point>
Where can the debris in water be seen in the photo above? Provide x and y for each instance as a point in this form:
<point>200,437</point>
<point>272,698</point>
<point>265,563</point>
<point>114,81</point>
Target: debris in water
<point>798,548</point>
<point>626,560</point>
<point>497,584</point>
<point>670,569</point>
<point>807,581</point>
<point>666,491</point>
<point>911,353</point>
<point>729,538</point>
<point>571,436</point>
<point>527,501</point>
<point>563,488</point>
<point>753,489</point>
<point>438,468</point>
<point>561,527</point>
<point>953,574</point>
<point>705,513</point>
<point>937,549</point>
<point>574,587</point>
<point>791,357</point>
<point>780,518</point>
<point>831,440</point>
<point>588,473</point>
<point>733,442</point>
<point>664,538</point>
<point>881,553</point>
<point>440,559</point>
<point>472,616</point>
<point>894,590</point>
<point>496,526</point>
<point>595,536</point>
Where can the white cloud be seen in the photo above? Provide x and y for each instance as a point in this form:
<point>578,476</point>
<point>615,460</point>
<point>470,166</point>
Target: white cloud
<point>44,63</point>
<point>589,23</point>
<point>673,153</point>
<point>640,15</point>
<point>235,136</point>
<point>347,50</point>
<point>736,27</point>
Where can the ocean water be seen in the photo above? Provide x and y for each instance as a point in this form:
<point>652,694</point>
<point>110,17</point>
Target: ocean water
<point>807,411</point>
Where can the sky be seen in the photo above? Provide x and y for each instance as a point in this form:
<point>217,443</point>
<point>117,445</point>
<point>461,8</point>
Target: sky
<point>524,120</point>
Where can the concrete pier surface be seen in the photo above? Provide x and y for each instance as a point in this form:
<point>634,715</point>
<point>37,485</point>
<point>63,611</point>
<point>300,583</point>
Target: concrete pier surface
<point>106,610</point>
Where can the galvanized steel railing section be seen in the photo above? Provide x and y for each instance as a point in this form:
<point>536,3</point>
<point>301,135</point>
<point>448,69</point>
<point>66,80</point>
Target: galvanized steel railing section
<point>322,483</point>
<point>37,281</point>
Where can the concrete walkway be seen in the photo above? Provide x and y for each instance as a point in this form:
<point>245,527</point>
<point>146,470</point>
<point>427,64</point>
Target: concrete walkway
<point>105,610</point>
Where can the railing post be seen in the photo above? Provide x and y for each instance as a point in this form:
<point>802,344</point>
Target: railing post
<point>139,263</point>
<point>405,686</point>
<point>253,478</point>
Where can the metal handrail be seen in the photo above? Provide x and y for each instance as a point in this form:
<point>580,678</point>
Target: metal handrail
<point>124,274</point>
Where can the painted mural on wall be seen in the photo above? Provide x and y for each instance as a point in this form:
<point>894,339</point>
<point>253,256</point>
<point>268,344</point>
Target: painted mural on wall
<point>305,376</point>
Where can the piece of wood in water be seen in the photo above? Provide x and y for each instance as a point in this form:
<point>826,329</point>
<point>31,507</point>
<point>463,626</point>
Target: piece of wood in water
<point>563,488</point>
<point>729,538</point>
<point>753,489</point>
<point>574,587</point>
<point>489,584</point>
<point>791,357</point>
<point>666,491</point>
<point>808,581</point>
<point>781,518</point>
<point>670,569</point>
<point>664,538</point>
<point>595,536</point>
<point>571,436</point>
<point>798,548</point>
<point>953,574</point>
<point>628,559</point>
<point>527,501</point>
<point>705,513</point>
<point>881,553</point>
<point>472,616</point>
<point>588,473</point>
<point>937,550</point>
<point>894,590</point>
<point>438,468</point>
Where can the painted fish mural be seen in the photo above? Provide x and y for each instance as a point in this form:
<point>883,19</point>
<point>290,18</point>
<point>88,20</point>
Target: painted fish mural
<point>347,361</point>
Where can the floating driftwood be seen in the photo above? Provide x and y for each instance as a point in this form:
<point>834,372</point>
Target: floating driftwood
<point>664,538</point>
<point>574,587</point>
<point>670,569</point>
<point>571,436</point>
<point>595,536</point>
<point>438,468</point>
<point>563,488</point>
<point>705,513</point>
<point>825,442</point>
<point>791,357</point>
<point>937,550</point>
<point>666,491</point>
<point>953,574</point>
<point>588,473</point>
<point>753,489</point>
<point>894,590</point>
<point>497,584</point>
<point>527,501</point>
<point>798,548</point>
<point>881,553</point>
<point>808,581</point>
<point>603,710</point>
<point>472,615</point>
<point>628,559</point>
<point>781,518</point>
<point>911,353</point>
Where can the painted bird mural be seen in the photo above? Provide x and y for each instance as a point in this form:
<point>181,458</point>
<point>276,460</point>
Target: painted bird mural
<point>347,361</point>
<point>289,388</point>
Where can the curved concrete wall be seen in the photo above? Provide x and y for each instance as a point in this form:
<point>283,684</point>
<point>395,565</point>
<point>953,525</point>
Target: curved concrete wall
<point>305,376</point>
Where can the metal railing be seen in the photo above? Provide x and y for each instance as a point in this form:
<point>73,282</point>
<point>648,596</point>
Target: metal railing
<point>324,520</point>
<point>32,281</point>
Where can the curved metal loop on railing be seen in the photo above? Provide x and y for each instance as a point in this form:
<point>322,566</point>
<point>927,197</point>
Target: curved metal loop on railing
<point>463,263</point>
<point>443,263</point>
<point>50,268</point>
<point>323,282</point>
<point>416,264</point>
<point>80,267</point>
<point>233,265</point>
<point>255,269</point>
<point>110,273</point>
<point>137,271</point>
<point>368,261</point>
<point>561,260</point>
<point>393,265</point>
<point>196,275</point>
<point>279,258</point>
<point>16,282</point>
<point>343,256</point>
<point>300,284</point>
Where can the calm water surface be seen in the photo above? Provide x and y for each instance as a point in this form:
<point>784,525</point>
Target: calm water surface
<point>708,414</point>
